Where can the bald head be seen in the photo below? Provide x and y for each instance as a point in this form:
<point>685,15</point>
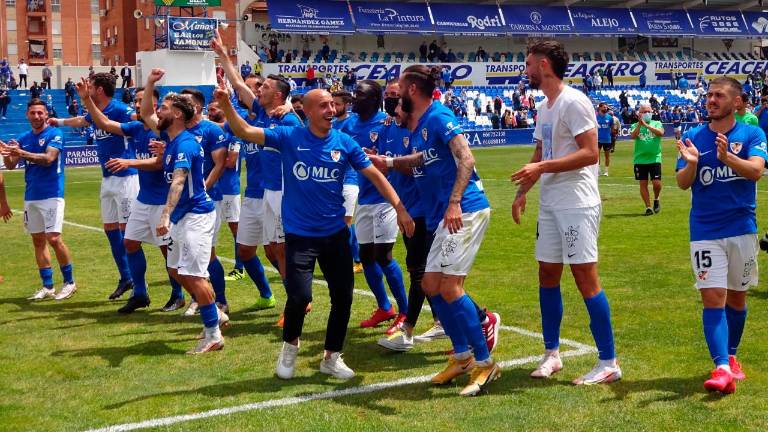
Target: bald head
<point>313,97</point>
<point>319,109</point>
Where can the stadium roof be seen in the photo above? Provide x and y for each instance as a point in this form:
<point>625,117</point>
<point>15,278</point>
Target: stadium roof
<point>653,4</point>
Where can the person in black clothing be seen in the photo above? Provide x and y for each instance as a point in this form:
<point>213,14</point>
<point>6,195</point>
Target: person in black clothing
<point>497,102</point>
<point>125,74</point>
<point>495,121</point>
<point>609,76</point>
<point>326,51</point>
<point>5,100</point>
<point>423,51</point>
<point>35,91</point>
<point>349,81</point>
<point>480,54</point>
<point>73,108</point>
<point>432,51</point>
<point>623,101</point>
<point>69,91</point>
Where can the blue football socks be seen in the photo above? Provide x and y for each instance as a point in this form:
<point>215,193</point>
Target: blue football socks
<point>375,278</point>
<point>716,334</point>
<point>46,274</point>
<point>736,320</point>
<point>256,271</point>
<point>465,316</point>
<point>600,324</point>
<point>451,327</point>
<point>551,304</point>
<point>216,275</point>
<point>209,314</point>
<point>66,273</point>
<point>137,263</point>
<point>394,276</point>
<point>115,238</point>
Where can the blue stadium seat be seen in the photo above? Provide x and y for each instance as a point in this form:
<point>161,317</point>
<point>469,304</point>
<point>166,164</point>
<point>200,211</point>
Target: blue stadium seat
<point>374,57</point>
<point>411,57</point>
<point>608,56</point>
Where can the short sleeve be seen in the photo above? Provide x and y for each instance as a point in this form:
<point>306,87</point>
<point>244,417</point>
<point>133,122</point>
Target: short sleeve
<point>291,119</point>
<point>183,156</point>
<point>537,135</point>
<point>217,136</point>
<point>129,129</point>
<point>355,154</point>
<point>447,125</point>
<point>125,114</point>
<point>275,137</point>
<point>757,143</point>
<point>658,125</point>
<point>580,116</point>
<point>57,140</point>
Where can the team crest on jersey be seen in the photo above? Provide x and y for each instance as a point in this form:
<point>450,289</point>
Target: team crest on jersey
<point>168,160</point>
<point>373,135</point>
<point>41,141</point>
<point>199,139</point>
<point>335,155</point>
<point>424,134</point>
<point>272,125</point>
<point>703,275</point>
<point>406,141</point>
<point>736,147</point>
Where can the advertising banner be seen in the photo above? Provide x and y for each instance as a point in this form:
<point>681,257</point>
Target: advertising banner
<point>724,24</point>
<point>380,17</point>
<point>309,16</point>
<point>469,19</point>
<point>652,22</point>
<point>599,21</point>
<point>191,34</point>
<point>533,20</point>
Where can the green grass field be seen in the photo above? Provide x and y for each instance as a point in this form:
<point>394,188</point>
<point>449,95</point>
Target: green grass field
<point>78,365</point>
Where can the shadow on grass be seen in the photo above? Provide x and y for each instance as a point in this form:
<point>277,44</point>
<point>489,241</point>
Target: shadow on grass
<point>672,389</point>
<point>116,355</point>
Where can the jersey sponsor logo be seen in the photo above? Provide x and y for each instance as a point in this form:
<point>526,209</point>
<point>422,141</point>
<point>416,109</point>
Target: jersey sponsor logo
<point>319,174</point>
<point>735,147</point>
<point>181,157</point>
<point>709,175</point>
<point>335,155</point>
<point>430,156</point>
<point>100,134</point>
<point>250,148</point>
<point>762,146</point>
<point>143,156</point>
<point>373,135</point>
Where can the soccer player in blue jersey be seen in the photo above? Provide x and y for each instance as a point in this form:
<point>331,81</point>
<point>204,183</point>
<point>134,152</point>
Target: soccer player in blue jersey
<point>376,219</point>
<point>118,190</point>
<point>342,101</point>
<point>566,159</point>
<point>189,215</point>
<point>721,163</point>
<point>153,191</point>
<point>41,148</point>
<point>229,184</point>
<point>457,214</point>
<point>677,118</point>
<point>314,161</point>
<point>604,140</point>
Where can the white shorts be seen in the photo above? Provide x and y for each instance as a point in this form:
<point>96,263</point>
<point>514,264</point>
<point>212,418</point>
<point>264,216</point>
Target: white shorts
<point>350,192</point>
<point>568,236</point>
<point>725,263</point>
<point>453,254</point>
<point>273,220</point>
<point>44,215</point>
<point>142,224</point>
<point>230,209</point>
<point>189,249</point>
<point>117,196</point>
<point>250,229</point>
<point>376,223</point>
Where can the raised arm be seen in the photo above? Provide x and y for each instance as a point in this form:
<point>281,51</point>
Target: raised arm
<point>174,193</point>
<point>239,126</point>
<point>233,154</point>
<point>244,93</point>
<point>75,122</point>
<point>751,168</point>
<point>99,119</point>
<point>404,220</point>
<point>147,107</point>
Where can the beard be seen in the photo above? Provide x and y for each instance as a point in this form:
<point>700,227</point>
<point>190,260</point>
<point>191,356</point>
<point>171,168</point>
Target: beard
<point>406,103</point>
<point>534,81</point>
<point>164,123</point>
<point>218,118</point>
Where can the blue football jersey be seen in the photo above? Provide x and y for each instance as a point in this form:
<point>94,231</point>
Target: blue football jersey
<point>113,146</point>
<point>184,151</point>
<point>396,141</point>
<point>366,134</point>
<point>271,162</point>
<point>43,182</point>
<point>313,204</point>
<point>437,126</point>
<point>350,177</point>
<point>723,202</point>
<point>153,189</point>
<point>604,124</point>
<point>211,137</point>
<point>229,183</point>
<point>250,153</point>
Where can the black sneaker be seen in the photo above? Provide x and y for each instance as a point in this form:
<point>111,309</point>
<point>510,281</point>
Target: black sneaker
<point>133,304</point>
<point>122,288</point>
<point>656,206</point>
<point>648,212</point>
<point>173,304</point>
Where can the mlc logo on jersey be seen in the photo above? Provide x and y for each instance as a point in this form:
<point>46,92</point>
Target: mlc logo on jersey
<point>708,175</point>
<point>319,174</point>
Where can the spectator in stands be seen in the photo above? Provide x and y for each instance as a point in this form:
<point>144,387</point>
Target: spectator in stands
<point>5,100</point>
<point>495,121</point>
<point>478,106</point>
<point>325,52</point>
<point>700,91</point>
<point>245,69</point>
<point>597,80</point>
<point>73,108</point>
<point>125,74</point>
<point>47,75</point>
<point>50,107</point>
<point>480,54</point>
<point>673,80</point>
<point>531,102</point>
<point>692,116</point>
<point>451,58</point>
<point>747,87</point>
<point>497,103</point>
<point>442,53</point>
<point>508,120</point>
<point>445,77</point>
<point>273,44</point>
<point>70,91</point>
<point>12,85</point>
<point>677,122</point>
<point>292,83</point>
<point>5,72</point>
<point>654,102</point>
<point>623,100</point>
<point>112,71</point>
<point>349,80</point>
<point>423,51</point>
<point>23,71</point>
<point>288,57</point>
<point>682,84</point>
<point>35,91</point>
<point>262,53</point>
<point>437,94</point>
<point>258,68</point>
<point>129,95</point>
<point>91,72</point>
<point>609,76</point>
<point>305,51</point>
<point>516,103</point>
<point>522,84</point>
<point>298,107</point>
<point>310,77</point>
<point>432,51</point>
<point>642,80</point>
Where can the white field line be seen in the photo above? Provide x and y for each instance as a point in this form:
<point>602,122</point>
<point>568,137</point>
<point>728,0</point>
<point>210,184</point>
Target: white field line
<point>273,403</point>
<point>579,350</point>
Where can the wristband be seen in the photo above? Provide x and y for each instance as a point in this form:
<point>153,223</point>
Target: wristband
<point>390,162</point>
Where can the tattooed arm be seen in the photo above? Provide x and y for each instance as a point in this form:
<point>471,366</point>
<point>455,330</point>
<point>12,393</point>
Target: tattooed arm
<point>465,166</point>
<point>174,193</point>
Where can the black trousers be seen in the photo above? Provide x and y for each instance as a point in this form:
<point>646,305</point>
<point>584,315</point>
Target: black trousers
<point>46,83</point>
<point>335,258</point>
<point>22,79</point>
<point>416,251</point>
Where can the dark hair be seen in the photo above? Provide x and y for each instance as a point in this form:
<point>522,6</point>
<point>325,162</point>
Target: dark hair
<point>420,76</point>
<point>297,98</point>
<point>728,81</point>
<point>282,85</point>
<point>600,104</point>
<point>196,94</point>
<point>345,96</point>
<point>36,101</point>
<point>392,81</point>
<point>745,98</point>
<point>104,80</point>
<point>554,52</point>
<point>155,93</point>
<point>184,104</point>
